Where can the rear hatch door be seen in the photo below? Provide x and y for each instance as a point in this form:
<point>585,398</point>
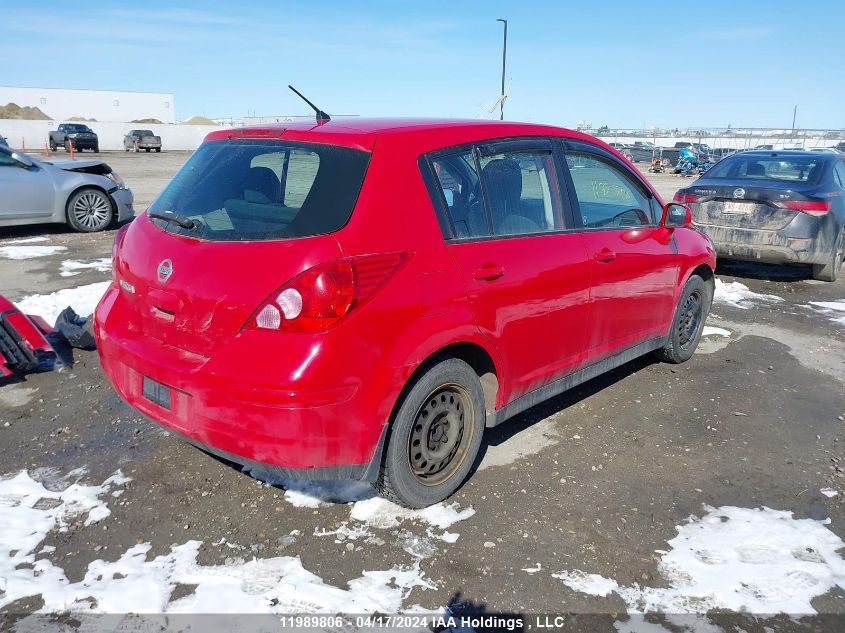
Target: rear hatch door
<point>194,294</point>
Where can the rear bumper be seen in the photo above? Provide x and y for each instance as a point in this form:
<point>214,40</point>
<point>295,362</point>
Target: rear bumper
<point>123,201</point>
<point>772,247</point>
<point>227,406</point>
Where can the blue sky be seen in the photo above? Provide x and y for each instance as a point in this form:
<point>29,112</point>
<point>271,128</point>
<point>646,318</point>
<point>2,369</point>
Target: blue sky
<point>624,64</point>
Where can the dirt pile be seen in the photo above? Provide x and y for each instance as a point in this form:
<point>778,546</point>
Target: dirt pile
<point>198,120</point>
<point>14,111</point>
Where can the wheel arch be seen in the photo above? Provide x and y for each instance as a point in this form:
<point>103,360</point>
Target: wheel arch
<point>474,355</point>
<point>79,188</point>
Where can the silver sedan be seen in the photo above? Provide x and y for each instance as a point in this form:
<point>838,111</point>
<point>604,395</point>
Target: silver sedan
<point>86,194</point>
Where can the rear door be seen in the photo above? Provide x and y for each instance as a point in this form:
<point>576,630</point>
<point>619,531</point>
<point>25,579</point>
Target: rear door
<point>634,267</point>
<point>524,269</point>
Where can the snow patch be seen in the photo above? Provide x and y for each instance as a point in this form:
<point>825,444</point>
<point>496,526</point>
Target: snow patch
<point>71,267</point>
<point>134,584</point>
<point>28,512</point>
<point>834,309</point>
<point>83,299</point>
<point>715,331</point>
<point>29,252</point>
<point>738,295</point>
<point>828,492</point>
<point>750,560</point>
<point>383,514</point>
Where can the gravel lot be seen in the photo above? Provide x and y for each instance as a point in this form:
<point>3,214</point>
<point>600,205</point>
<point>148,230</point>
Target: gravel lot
<point>597,480</point>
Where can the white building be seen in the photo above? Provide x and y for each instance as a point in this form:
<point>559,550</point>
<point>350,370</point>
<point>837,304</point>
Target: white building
<point>103,105</point>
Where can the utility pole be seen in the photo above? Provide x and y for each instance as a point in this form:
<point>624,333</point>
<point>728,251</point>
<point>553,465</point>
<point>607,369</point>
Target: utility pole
<point>794,116</point>
<point>504,60</point>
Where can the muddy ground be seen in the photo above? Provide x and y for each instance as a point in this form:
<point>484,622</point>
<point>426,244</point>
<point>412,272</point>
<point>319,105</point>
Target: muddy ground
<point>596,480</point>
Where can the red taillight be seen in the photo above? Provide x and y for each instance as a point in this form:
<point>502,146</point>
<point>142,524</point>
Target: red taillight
<point>811,207</point>
<point>316,299</point>
<point>685,198</point>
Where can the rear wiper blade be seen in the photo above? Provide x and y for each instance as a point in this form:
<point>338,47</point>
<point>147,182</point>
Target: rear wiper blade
<point>181,220</point>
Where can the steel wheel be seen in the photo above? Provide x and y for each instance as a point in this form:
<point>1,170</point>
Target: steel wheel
<point>440,434</point>
<point>690,317</point>
<point>90,210</point>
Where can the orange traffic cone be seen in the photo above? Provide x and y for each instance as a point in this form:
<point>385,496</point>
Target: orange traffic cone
<point>23,144</point>
<point>46,149</point>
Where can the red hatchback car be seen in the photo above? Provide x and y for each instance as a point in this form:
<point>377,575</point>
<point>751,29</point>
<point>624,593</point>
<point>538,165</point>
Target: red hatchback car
<point>360,299</point>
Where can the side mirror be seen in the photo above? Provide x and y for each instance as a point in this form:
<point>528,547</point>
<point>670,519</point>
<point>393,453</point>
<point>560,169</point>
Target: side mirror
<point>676,216</point>
<point>22,159</point>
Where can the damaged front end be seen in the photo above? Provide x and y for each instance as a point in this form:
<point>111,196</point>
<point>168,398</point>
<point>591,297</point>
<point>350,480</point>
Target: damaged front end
<point>23,344</point>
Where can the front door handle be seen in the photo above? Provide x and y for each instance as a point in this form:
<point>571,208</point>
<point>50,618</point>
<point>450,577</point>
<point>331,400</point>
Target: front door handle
<point>605,256</point>
<point>488,272</point>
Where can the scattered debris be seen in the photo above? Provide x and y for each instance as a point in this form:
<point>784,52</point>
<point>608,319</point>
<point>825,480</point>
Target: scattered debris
<point>23,344</point>
<point>76,330</point>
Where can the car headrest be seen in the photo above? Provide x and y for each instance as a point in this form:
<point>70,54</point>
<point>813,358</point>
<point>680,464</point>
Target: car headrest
<point>503,179</point>
<point>261,185</point>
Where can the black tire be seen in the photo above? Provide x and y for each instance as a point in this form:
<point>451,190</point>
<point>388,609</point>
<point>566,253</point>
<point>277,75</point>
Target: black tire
<point>688,321</point>
<point>830,271</point>
<point>53,146</point>
<point>158,150</point>
<point>125,149</point>
<point>434,436</point>
<point>147,150</point>
<point>90,210</point>
<point>97,149</point>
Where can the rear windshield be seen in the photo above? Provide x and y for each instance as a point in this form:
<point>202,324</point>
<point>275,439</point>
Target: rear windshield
<point>144,132</point>
<point>793,169</point>
<point>264,190</point>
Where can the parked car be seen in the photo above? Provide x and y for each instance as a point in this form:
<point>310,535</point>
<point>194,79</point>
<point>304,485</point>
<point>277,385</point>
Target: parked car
<point>361,299</point>
<point>778,207</point>
<point>86,194</point>
<point>840,146</point>
<point>644,151</point>
<point>141,140</point>
<point>80,136</point>
<point>830,150</point>
<point>623,149</point>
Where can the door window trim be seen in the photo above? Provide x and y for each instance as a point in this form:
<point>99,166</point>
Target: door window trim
<point>606,157</point>
<point>489,147</point>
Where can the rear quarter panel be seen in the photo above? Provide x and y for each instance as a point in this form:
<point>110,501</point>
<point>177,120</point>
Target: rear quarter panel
<point>424,307</point>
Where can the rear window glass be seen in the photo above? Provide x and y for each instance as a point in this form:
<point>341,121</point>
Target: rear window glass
<point>264,190</point>
<point>793,169</point>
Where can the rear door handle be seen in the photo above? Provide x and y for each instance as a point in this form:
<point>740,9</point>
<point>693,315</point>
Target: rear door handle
<point>605,256</point>
<point>488,272</point>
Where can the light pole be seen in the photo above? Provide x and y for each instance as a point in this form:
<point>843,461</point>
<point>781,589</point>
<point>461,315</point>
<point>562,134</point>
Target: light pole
<point>504,59</point>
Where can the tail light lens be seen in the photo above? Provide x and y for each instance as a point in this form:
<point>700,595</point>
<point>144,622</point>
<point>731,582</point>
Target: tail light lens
<point>685,198</point>
<point>319,297</point>
<point>811,207</point>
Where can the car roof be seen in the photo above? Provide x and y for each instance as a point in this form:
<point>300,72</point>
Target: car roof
<point>773,153</point>
<point>421,134</point>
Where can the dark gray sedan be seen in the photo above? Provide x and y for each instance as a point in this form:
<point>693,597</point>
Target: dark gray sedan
<point>86,194</point>
<point>781,207</point>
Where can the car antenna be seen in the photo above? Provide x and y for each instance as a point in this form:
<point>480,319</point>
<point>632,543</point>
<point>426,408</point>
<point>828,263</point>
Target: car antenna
<point>322,117</point>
